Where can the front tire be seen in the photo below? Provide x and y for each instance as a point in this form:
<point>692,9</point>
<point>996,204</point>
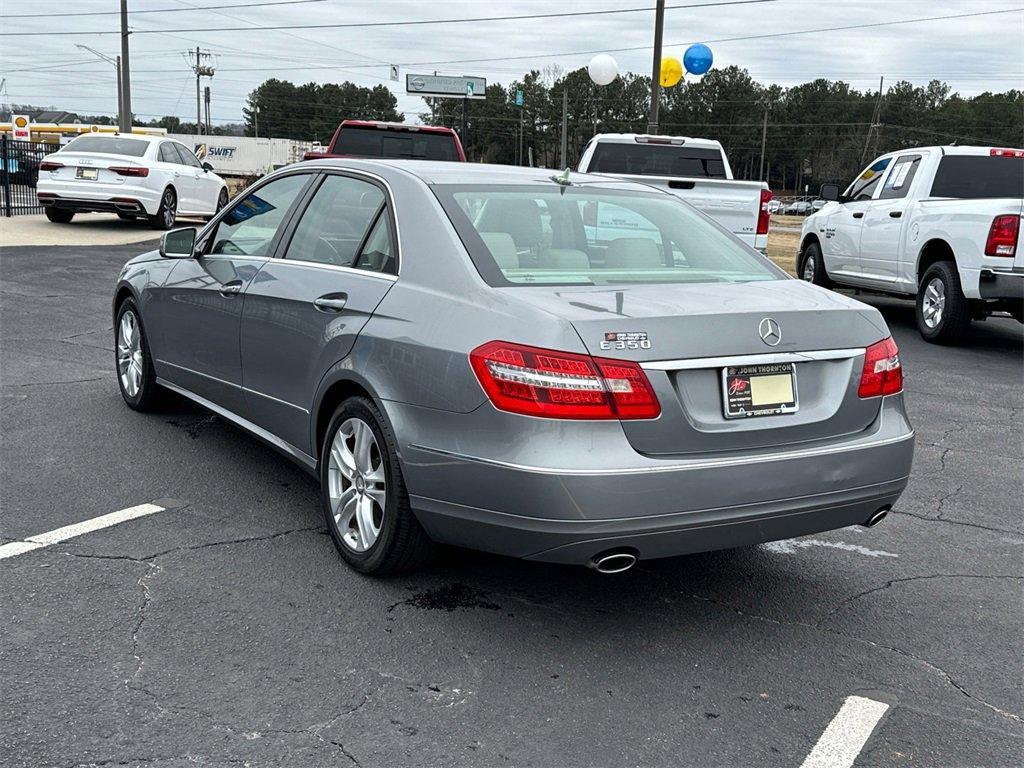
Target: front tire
<point>943,314</point>
<point>167,212</point>
<point>136,377</point>
<point>363,495</point>
<point>59,216</point>
<point>812,266</point>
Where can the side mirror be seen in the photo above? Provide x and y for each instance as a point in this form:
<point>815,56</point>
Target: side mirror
<point>829,192</point>
<point>178,243</point>
<point>207,167</point>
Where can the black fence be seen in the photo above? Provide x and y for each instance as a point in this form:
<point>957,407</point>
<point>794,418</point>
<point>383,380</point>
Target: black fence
<point>19,172</point>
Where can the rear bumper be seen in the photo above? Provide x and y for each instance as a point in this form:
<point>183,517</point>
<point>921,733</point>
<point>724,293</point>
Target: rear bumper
<point>98,196</point>
<point>113,205</point>
<point>597,493</point>
<point>1001,285</point>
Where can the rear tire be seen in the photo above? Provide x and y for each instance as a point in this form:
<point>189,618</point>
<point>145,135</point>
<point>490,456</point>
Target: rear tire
<point>373,539</point>
<point>59,216</point>
<point>136,377</point>
<point>167,212</point>
<point>812,267</point>
<point>943,313</point>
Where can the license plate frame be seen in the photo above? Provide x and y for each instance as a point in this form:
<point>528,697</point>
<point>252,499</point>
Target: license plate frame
<point>739,385</point>
<point>87,174</point>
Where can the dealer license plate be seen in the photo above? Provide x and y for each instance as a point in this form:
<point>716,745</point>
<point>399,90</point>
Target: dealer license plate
<point>89,174</point>
<point>759,390</point>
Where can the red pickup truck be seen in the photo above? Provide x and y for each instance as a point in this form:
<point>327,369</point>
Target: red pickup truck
<point>368,138</point>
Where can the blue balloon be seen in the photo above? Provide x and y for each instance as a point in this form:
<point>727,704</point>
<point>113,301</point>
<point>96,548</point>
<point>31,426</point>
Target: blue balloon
<point>697,59</point>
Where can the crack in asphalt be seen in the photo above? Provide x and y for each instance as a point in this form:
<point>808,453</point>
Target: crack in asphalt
<point>948,521</point>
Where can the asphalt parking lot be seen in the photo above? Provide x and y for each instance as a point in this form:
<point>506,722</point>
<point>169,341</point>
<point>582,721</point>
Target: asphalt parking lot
<point>224,629</point>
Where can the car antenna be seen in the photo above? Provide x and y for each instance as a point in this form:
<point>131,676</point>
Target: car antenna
<point>562,179</point>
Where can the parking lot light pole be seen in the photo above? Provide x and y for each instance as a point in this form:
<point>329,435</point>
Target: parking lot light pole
<point>117,67</point>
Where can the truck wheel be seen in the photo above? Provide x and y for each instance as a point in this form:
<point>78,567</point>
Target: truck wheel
<point>58,216</point>
<point>943,314</point>
<point>812,267</point>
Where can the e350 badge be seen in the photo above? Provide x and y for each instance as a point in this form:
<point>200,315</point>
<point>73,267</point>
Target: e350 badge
<point>627,340</point>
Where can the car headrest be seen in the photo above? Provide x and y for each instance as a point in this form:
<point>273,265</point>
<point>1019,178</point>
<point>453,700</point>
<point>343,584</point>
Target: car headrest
<point>632,253</point>
<point>502,248</point>
<point>563,258</point>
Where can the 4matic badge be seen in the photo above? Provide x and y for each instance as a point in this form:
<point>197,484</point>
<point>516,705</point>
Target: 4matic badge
<point>627,340</point>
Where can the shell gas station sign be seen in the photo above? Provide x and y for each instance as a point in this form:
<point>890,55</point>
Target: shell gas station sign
<point>21,128</point>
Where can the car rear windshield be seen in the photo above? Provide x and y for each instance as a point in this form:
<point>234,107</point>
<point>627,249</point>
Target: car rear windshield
<point>381,142</point>
<point>108,145</point>
<point>973,177</point>
<point>657,160</point>
<point>586,235</point>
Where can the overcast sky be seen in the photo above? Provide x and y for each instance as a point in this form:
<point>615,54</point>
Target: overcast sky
<point>983,53</point>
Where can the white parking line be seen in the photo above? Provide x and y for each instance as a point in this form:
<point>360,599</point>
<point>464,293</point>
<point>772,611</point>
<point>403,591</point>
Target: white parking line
<point>846,735</point>
<point>76,529</point>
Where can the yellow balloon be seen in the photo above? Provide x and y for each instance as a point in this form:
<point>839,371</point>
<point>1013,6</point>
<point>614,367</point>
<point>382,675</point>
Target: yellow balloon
<point>671,72</point>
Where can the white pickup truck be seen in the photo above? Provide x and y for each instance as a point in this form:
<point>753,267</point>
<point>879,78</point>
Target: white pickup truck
<point>695,170</point>
<point>939,223</point>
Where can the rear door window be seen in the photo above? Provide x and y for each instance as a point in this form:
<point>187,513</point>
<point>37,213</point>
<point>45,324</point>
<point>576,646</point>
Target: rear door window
<point>168,154</point>
<point>657,160</point>
<point>979,176</point>
<point>897,184</point>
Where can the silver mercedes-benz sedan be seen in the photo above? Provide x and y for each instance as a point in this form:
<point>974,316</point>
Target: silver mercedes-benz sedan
<point>565,368</point>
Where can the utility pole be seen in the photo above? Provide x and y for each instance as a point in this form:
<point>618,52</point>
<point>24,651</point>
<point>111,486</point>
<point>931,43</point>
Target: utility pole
<point>206,101</point>
<point>764,138</point>
<point>565,126</point>
<point>201,70</point>
<point>125,108</point>
<point>256,121</point>
<point>117,68</point>
<point>875,120</point>
<point>659,25</point>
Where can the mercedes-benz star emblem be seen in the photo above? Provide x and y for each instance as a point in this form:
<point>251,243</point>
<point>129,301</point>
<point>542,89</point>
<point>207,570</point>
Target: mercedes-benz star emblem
<point>770,332</point>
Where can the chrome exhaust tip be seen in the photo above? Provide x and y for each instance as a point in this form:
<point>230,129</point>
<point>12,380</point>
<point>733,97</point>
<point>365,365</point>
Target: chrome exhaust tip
<point>879,515</point>
<point>613,562</point>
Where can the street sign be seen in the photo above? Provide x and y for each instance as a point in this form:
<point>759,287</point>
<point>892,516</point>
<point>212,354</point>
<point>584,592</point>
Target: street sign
<point>446,86</point>
<point>22,127</point>
<point>394,72</point>
<point>519,98</point>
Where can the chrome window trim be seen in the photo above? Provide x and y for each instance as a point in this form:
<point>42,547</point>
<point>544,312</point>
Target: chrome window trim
<point>695,363</point>
<point>694,464</point>
<point>337,268</point>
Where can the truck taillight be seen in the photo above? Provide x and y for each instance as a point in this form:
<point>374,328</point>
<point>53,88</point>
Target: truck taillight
<point>882,374</point>
<point>1002,235</point>
<point>1006,153</point>
<point>562,385</point>
<point>47,165</point>
<point>131,170</point>
<point>764,217</point>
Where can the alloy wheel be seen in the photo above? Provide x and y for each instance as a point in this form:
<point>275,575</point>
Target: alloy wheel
<point>356,484</point>
<point>170,208</point>
<point>129,354</point>
<point>808,273</point>
<point>934,302</point>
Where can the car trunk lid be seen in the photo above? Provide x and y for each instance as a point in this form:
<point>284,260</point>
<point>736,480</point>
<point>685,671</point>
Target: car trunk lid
<point>101,163</point>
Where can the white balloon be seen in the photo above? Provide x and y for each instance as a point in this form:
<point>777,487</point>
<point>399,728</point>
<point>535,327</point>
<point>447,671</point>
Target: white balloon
<point>603,69</point>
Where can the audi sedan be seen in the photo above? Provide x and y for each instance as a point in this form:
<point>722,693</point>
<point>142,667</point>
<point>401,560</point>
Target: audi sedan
<point>152,178</point>
<point>461,357</point>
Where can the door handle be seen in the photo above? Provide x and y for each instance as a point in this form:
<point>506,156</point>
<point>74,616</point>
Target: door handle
<point>230,289</point>
<point>331,302</point>
<point>895,214</point>
<point>859,215</point>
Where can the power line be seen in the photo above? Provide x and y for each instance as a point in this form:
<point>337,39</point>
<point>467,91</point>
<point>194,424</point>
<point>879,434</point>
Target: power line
<point>153,10</point>
<point>414,22</point>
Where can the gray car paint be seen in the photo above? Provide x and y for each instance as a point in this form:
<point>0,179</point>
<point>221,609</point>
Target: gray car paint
<point>525,486</point>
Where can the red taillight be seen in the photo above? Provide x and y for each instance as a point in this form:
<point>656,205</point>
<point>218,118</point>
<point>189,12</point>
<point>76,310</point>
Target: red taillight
<point>562,385</point>
<point>882,374</point>
<point>46,165</point>
<point>1002,235</point>
<point>1006,153</point>
<point>131,170</point>
<point>764,217</point>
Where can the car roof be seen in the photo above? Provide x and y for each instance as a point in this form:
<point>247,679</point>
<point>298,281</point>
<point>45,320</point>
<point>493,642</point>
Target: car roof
<point>448,172</point>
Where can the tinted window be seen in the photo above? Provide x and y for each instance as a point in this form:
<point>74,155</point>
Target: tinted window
<point>249,227</point>
<point>187,157</point>
<point>978,176</point>
<point>377,254</point>
<point>864,185</point>
<point>900,178</point>
<point>583,235</point>
<point>379,142</point>
<point>168,154</point>
<point>336,222</point>
<point>114,145</point>
<point>657,160</point>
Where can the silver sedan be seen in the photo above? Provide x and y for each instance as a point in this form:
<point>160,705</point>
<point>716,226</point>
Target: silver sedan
<point>562,368</point>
